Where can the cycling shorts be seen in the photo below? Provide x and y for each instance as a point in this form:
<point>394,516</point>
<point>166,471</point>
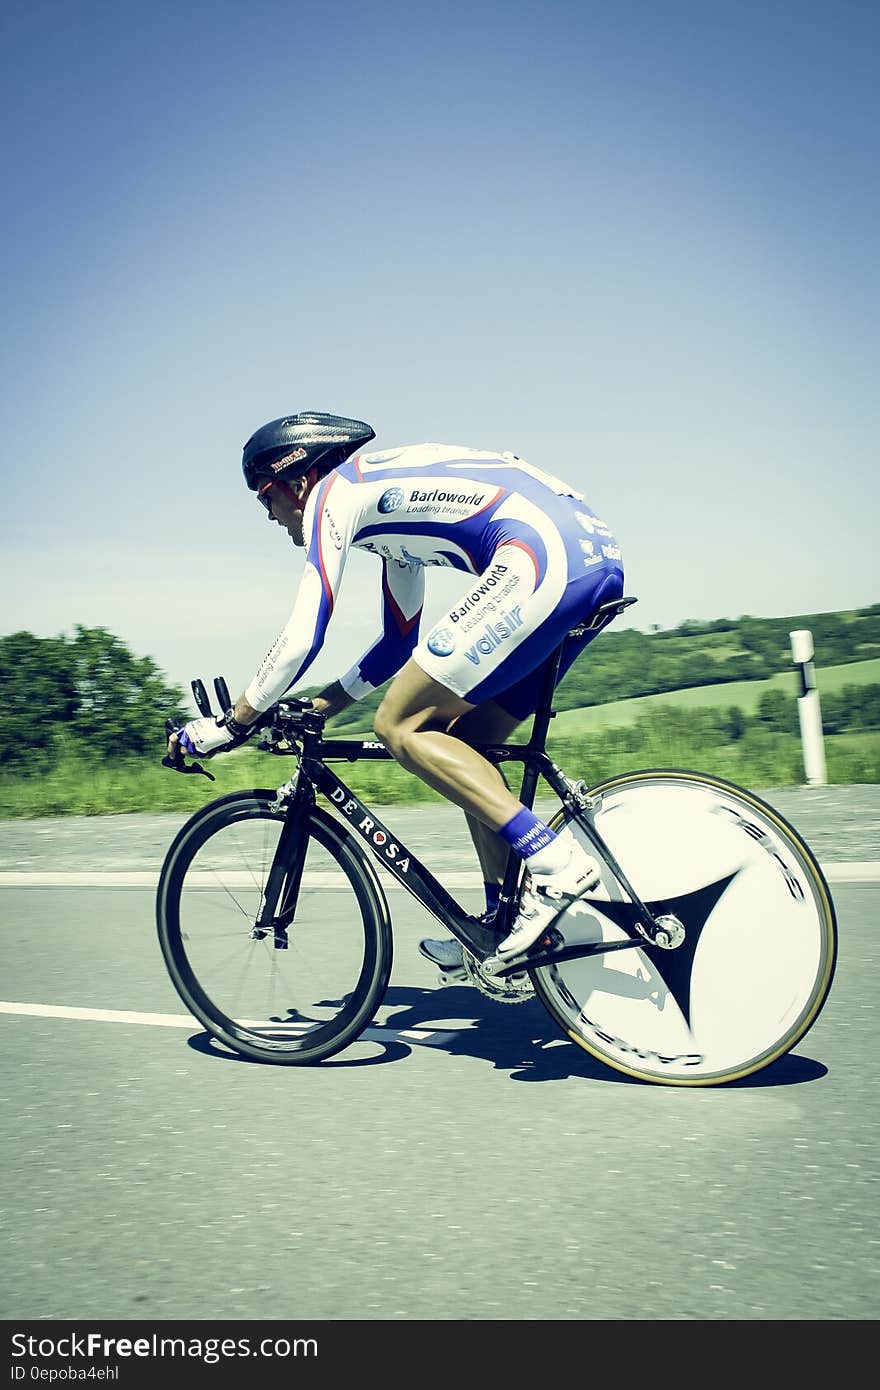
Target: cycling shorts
<point>493,643</point>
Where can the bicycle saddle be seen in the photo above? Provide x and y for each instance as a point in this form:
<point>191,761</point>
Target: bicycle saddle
<point>603,614</point>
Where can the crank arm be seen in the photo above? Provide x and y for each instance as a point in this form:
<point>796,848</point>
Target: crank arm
<point>551,956</point>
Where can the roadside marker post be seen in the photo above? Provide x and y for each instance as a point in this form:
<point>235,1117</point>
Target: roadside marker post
<point>809,708</point>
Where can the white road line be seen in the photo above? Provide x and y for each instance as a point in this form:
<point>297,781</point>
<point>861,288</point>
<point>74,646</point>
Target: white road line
<point>855,871</point>
<point>375,1033</point>
<point>99,1015</point>
<point>204,879</point>
<point>864,871</point>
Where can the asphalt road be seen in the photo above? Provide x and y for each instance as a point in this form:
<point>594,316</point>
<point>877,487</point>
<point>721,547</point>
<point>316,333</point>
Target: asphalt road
<point>839,824</point>
<point>465,1161</point>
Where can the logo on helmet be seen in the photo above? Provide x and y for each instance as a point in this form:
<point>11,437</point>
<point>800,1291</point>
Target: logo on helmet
<point>288,459</point>
<point>391,500</point>
<point>441,642</point>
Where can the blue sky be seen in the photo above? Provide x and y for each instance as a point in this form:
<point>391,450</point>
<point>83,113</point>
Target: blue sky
<point>633,242</point>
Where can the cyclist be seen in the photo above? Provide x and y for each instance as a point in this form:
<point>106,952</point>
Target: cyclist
<point>538,562</point>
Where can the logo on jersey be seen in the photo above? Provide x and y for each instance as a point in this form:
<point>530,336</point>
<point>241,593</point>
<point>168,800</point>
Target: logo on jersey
<point>461,499</point>
<point>385,551</point>
<point>494,634</point>
<point>481,592</point>
<point>592,524</point>
<point>417,559</point>
<point>446,504</point>
<point>333,529</point>
<point>391,499</point>
<point>441,642</point>
<point>611,552</point>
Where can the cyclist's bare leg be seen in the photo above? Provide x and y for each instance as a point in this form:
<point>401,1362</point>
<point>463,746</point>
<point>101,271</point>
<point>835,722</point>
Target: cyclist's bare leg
<point>414,722</point>
<point>486,723</point>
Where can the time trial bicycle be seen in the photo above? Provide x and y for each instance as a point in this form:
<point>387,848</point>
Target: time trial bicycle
<point>705,953</point>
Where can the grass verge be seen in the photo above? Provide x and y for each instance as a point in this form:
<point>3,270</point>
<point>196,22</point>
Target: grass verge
<point>76,784</point>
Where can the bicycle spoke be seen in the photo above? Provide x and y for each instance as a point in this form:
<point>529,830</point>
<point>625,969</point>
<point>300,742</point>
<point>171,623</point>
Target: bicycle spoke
<point>290,993</point>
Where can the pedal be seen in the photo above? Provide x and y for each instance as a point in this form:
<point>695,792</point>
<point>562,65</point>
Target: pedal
<point>456,976</point>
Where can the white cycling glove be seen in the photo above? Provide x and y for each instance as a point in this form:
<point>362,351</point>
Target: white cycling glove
<point>210,735</point>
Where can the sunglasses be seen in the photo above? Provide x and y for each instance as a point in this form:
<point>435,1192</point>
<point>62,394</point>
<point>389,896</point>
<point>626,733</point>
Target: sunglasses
<point>298,502</point>
<point>264,495</point>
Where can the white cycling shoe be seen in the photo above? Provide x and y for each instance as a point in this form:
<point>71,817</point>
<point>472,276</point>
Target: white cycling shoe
<point>446,953</point>
<point>546,896</point>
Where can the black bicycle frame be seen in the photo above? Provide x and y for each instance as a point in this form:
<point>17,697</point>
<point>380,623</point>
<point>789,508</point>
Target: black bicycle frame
<point>401,863</point>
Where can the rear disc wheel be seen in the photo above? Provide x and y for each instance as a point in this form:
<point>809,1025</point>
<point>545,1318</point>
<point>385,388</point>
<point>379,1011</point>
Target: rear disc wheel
<point>760,937</point>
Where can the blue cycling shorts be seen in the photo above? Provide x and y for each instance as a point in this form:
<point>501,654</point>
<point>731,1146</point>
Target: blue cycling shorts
<point>544,579</point>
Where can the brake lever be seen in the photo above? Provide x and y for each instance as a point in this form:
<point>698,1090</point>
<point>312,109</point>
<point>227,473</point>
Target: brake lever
<point>179,764</point>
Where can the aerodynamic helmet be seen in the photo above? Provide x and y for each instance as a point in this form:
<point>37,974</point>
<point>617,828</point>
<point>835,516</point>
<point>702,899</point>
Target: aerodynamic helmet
<point>290,447</point>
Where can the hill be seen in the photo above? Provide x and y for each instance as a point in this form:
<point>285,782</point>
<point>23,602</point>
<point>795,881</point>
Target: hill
<point>745,695</point>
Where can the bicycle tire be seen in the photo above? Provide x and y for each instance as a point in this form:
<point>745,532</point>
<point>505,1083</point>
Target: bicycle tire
<point>762,920</point>
<point>294,1006</point>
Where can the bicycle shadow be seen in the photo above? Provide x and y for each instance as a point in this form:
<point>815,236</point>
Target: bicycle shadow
<point>520,1039</point>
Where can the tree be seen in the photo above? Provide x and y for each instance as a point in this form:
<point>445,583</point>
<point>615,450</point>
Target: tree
<point>37,694</point>
<point>91,688</point>
<point>122,700</point>
<point>778,711</point>
<point>736,723</point>
<point>853,707</point>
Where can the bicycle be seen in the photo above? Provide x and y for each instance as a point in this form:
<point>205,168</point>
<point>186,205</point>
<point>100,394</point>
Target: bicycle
<point>713,966</point>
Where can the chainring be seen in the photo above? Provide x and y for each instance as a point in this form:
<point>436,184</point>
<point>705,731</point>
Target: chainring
<point>509,989</point>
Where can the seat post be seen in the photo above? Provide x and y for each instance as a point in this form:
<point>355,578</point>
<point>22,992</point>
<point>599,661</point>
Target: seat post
<point>598,619</point>
<point>544,711</point>
<point>540,726</point>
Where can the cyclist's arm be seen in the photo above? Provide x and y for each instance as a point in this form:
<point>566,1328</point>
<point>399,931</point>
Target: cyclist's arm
<point>301,639</point>
<point>332,700</point>
<point>403,593</point>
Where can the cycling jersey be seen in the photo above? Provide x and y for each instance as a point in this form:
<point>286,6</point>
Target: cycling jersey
<point>541,561</point>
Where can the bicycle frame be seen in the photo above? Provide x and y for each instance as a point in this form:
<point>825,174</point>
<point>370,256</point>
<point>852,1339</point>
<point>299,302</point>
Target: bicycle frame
<point>314,775</point>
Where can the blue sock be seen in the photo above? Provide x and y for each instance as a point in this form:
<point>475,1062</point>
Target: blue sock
<point>526,834</point>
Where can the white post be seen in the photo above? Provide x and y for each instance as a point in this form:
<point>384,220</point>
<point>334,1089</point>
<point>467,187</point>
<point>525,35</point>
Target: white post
<point>809,709</point>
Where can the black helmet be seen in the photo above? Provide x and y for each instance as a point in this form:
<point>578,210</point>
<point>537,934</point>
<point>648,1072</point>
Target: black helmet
<point>288,448</point>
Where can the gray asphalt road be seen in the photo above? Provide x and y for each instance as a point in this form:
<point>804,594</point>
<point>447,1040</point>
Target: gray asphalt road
<point>464,1161</point>
<point>839,824</point>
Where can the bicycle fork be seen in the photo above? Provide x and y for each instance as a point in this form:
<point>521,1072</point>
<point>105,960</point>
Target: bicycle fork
<point>281,893</point>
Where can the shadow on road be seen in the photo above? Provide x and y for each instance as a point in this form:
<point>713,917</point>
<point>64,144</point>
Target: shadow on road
<point>520,1039</point>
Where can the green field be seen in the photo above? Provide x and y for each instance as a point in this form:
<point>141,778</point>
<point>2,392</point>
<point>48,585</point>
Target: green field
<point>744,694</point>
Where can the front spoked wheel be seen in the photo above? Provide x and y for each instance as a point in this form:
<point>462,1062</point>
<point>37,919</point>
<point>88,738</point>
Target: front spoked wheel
<point>298,989</point>
<point>760,938</point>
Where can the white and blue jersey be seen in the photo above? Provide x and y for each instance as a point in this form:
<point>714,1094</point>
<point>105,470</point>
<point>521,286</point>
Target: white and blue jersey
<point>539,561</point>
